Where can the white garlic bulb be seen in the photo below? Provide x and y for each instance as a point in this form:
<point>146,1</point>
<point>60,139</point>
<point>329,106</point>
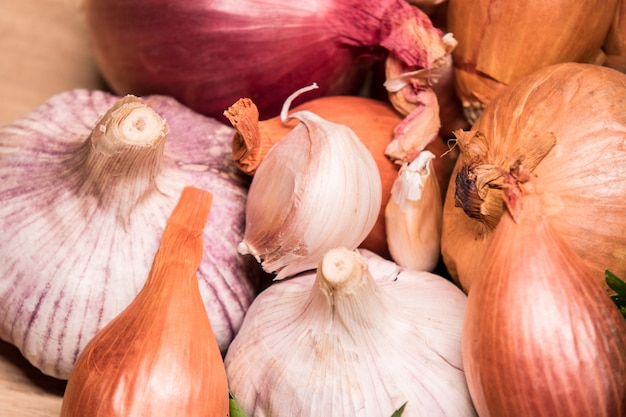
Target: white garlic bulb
<point>358,337</point>
<point>317,188</point>
<point>83,204</point>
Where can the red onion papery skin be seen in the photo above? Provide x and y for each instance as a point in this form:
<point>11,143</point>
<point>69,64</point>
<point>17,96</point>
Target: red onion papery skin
<point>208,54</point>
<point>69,262</point>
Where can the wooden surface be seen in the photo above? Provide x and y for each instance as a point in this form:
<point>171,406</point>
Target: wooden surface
<point>43,51</point>
<point>24,390</point>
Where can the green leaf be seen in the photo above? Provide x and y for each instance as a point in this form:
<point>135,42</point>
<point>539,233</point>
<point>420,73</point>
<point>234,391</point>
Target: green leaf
<point>619,286</point>
<point>615,283</point>
<point>235,408</point>
<point>399,411</point>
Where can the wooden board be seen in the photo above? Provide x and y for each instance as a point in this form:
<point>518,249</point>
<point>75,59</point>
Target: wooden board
<point>43,51</point>
<point>24,390</point>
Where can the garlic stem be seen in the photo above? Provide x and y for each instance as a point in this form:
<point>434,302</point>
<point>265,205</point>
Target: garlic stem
<point>128,123</point>
<point>121,158</point>
<point>350,291</point>
<point>340,267</point>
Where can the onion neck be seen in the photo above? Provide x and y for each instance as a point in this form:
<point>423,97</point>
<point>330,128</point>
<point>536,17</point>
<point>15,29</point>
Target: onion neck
<point>173,272</point>
<point>398,27</point>
<point>480,181</point>
<point>119,162</point>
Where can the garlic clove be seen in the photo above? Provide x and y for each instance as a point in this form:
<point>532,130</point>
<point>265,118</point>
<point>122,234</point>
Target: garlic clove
<point>359,336</point>
<point>413,215</point>
<point>317,188</point>
<point>372,120</point>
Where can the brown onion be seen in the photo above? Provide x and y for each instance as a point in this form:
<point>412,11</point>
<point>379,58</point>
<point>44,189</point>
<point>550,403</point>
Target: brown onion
<point>207,54</point>
<point>500,42</point>
<point>615,42</point>
<point>567,125</point>
<point>541,337</point>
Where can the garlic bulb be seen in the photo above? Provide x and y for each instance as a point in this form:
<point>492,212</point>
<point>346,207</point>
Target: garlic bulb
<point>358,337</point>
<point>317,188</point>
<point>84,203</point>
<point>413,215</point>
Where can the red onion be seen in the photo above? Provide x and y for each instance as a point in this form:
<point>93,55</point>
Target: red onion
<point>208,54</point>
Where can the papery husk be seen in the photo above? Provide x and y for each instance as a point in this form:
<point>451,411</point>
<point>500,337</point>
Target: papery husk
<point>501,42</point>
<point>565,124</point>
<point>541,337</point>
<point>417,130</point>
<point>405,93</point>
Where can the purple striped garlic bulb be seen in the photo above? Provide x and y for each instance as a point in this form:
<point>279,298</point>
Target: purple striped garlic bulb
<point>87,182</point>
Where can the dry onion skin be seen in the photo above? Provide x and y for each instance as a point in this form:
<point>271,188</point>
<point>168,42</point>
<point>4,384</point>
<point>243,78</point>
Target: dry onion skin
<point>500,42</point>
<point>565,123</point>
<point>615,42</point>
<point>85,211</point>
<point>541,337</point>
<point>159,356</point>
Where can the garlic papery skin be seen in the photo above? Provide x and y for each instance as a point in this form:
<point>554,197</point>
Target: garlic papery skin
<point>83,219</point>
<point>413,215</point>
<point>317,188</point>
<point>360,336</point>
